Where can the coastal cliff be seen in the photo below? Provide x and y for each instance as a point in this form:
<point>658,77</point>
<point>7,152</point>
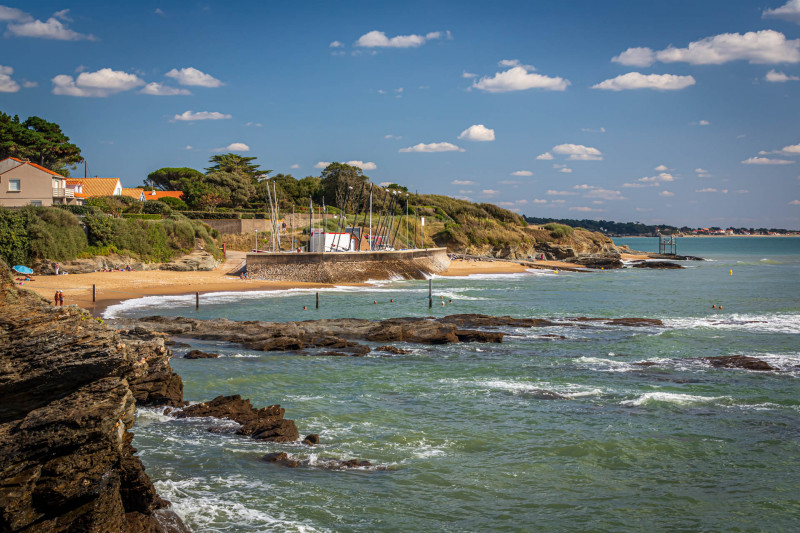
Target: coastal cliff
<point>69,386</point>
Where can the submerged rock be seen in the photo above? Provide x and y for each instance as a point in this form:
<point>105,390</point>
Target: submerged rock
<point>197,354</point>
<point>284,459</point>
<point>266,423</point>
<point>738,361</point>
<point>656,264</point>
<point>311,439</point>
<point>388,348</point>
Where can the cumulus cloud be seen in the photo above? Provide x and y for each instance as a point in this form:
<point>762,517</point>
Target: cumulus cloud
<point>192,76</point>
<point>433,147</point>
<point>234,147</point>
<point>336,44</point>
<point>578,152</point>
<point>794,202</point>
<point>760,47</point>
<point>101,83</point>
<point>547,156</point>
<point>565,170</point>
<point>462,182</point>
<point>156,89</point>
<point>666,193</point>
<point>322,164</point>
<point>766,161</point>
<point>188,116</point>
<point>708,189</point>
<point>789,11</point>
<point>519,78</point>
<point>701,123</point>
<point>378,39</point>
<point>489,192</point>
<point>29,84</point>
<point>590,130</point>
<point>661,168</point>
<point>295,166</point>
<point>369,165</point>
<point>635,57</point>
<point>585,209</point>
<point>23,25</point>
<point>779,77</point>
<point>7,85</point>
<point>468,75</point>
<point>539,201</point>
<point>552,192</point>
<point>477,132</point>
<point>702,173</point>
<point>636,80</point>
<point>658,178</point>
<point>522,173</point>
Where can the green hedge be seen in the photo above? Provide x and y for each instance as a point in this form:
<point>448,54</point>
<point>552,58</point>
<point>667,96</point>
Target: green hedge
<point>142,216</point>
<point>210,216</point>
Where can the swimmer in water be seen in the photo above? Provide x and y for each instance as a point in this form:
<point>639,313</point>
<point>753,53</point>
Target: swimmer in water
<point>392,300</point>
<point>374,302</point>
<point>713,307</point>
<point>305,308</point>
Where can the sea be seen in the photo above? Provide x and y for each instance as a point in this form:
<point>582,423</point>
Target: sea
<point>554,429</point>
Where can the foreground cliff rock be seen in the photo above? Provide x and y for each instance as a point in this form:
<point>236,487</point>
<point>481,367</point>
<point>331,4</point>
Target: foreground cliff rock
<point>69,387</point>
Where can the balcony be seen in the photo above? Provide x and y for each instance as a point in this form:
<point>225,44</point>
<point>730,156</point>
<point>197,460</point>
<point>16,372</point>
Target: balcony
<point>63,192</point>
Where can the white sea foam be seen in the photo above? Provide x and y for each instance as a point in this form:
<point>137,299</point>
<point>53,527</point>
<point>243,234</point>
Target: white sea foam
<point>650,398</point>
<point>771,323</point>
<point>521,387</point>
<point>488,277</point>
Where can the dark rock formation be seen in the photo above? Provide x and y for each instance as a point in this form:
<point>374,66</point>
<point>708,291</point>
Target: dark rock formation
<point>392,349</point>
<point>657,264</point>
<point>262,424</point>
<point>738,361</point>
<point>472,335</point>
<point>197,354</point>
<point>630,322</point>
<point>284,459</point>
<point>311,439</point>
<point>675,257</point>
<point>604,261</point>
<point>68,386</point>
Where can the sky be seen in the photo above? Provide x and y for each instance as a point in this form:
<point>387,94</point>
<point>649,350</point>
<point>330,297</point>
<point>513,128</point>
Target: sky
<point>680,112</point>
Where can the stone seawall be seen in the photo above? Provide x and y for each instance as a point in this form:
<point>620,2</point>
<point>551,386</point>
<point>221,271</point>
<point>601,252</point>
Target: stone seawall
<point>348,267</point>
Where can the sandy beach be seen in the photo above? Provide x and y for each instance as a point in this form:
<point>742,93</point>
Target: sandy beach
<point>113,287</point>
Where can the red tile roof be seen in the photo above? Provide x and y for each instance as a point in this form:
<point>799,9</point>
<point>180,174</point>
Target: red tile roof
<point>56,174</point>
<point>157,195</point>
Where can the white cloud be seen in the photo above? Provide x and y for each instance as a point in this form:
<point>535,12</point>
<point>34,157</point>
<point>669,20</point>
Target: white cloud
<point>462,182</point>
<point>794,202</point>
<point>522,202</point>
<point>378,39</point>
<point>558,201</point>
<point>539,201</point>
<point>742,191</point>
<point>159,11</point>
<point>234,147</point>
<point>432,147</point>
<point>514,63</point>
<point>7,85</point>
<point>322,164</point>
<point>604,194</point>
<point>188,116</point>
<point>188,147</point>
<point>547,156</point>
<point>585,209</point>
<point>590,130</point>
<point>661,177</point>
<point>477,132</point>
<point>779,77</point>
<point>101,83</point>
<point>522,173</point>
<point>702,173</point>
<point>369,165</point>
<point>666,193</point>
<point>551,192</point>
<point>639,185</point>
<point>766,161</point>
<point>464,191</point>
<point>565,170</point>
<point>29,84</point>
<point>253,124</point>
<point>489,192</point>
<point>636,80</point>
<point>156,89</point>
<point>335,44</point>
<point>789,11</point>
<point>702,123</point>
<point>708,189</point>
<point>468,75</point>
<point>395,137</point>
<point>762,47</point>
<point>295,166</point>
<point>13,14</point>
<point>661,168</point>
<point>578,152</point>
<point>192,76</point>
<point>584,187</point>
<point>636,57</point>
<point>519,79</point>
<point>23,25</point>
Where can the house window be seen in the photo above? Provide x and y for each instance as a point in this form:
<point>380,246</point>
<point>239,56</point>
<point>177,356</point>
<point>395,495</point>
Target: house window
<point>36,202</point>
<point>13,186</point>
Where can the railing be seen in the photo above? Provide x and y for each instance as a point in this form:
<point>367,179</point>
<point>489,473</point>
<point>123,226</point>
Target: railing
<point>63,192</point>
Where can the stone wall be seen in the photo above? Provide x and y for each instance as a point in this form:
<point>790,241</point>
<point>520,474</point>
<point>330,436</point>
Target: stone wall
<point>347,267</point>
<point>235,226</point>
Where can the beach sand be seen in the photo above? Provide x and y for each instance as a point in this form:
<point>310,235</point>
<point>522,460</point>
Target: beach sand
<point>113,287</point>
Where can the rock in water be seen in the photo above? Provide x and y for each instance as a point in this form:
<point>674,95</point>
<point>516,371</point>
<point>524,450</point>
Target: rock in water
<point>392,349</point>
<point>197,354</point>
<point>311,439</point>
<point>68,400</point>
<point>739,361</point>
<point>262,424</point>
<point>657,264</point>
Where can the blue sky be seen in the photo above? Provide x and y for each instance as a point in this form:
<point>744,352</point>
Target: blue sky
<point>677,112</point>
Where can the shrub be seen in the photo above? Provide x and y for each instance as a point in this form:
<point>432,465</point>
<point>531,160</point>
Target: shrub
<point>141,216</point>
<point>156,207</point>
<point>55,234</point>
<point>174,203</point>
<point>558,230</point>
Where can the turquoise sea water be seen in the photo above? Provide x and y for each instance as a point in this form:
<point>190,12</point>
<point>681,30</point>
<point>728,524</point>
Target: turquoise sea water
<point>466,440</point>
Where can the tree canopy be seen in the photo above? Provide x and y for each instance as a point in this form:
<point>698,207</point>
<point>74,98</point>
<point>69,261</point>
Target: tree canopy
<point>172,179</point>
<point>336,178</point>
<point>40,141</point>
<point>236,163</point>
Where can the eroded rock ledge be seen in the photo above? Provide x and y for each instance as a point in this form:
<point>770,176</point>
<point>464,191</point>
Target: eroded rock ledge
<point>338,336</point>
<point>69,386</point>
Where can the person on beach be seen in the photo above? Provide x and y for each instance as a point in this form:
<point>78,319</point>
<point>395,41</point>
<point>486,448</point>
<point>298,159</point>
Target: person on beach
<point>61,298</point>
<point>55,299</point>
<point>56,267</point>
